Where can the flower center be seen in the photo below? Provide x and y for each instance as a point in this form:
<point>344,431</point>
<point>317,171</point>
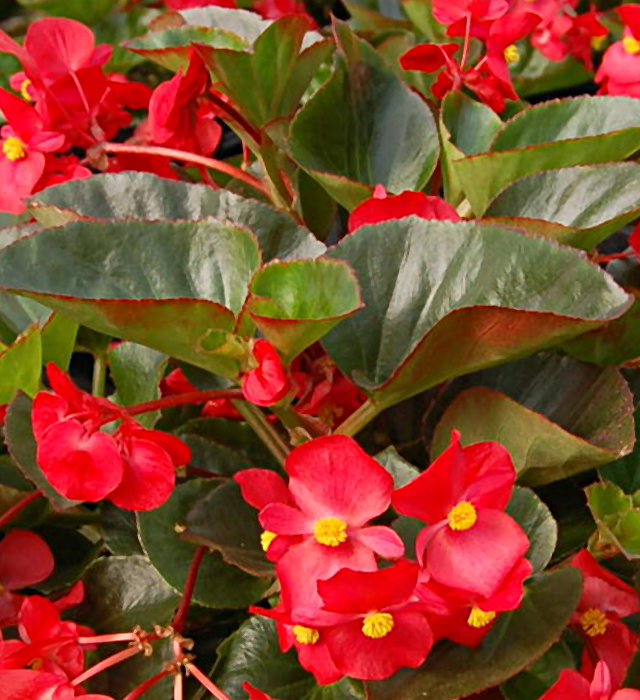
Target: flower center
<point>305,635</point>
<point>594,622</point>
<point>480,618</point>
<point>14,148</point>
<point>377,625</point>
<point>511,54</point>
<point>330,532</point>
<point>24,90</point>
<point>266,538</point>
<point>463,516</point>
<point>631,44</point>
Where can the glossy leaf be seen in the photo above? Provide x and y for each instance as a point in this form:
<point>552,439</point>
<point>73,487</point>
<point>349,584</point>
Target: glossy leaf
<point>536,520</point>
<point>58,336</point>
<point>245,24</point>
<point>382,134</point>
<point>136,195</point>
<point>514,643</point>
<point>21,365</point>
<point>219,585</point>
<point>549,435</point>
<point>430,283</point>
<point>555,134</point>
<point>166,285</point>
<point>586,204</point>
<point>617,518</point>
<point>625,472</point>
<point>532,683</point>
<point>253,654</point>
<point>402,471</point>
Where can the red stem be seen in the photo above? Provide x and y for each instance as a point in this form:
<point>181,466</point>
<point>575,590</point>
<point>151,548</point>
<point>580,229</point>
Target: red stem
<point>465,49</point>
<point>105,664</point>
<point>143,687</point>
<point>7,517</point>
<point>181,613</point>
<point>613,256</point>
<point>214,164</point>
<point>235,116</point>
<point>207,683</point>
<point>109,638</point>
<point>193,397</point>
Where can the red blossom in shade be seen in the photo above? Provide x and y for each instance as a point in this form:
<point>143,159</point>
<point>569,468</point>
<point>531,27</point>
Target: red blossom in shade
<point>466,618</point>
<point>619,71</point>
<point>470,542</point>
<point>382,207</point>
<point>275,9</point>
<point>24,145</point>
<point>25,559</point>
<point>39,685</point>
<point>573,686</point>
<point>255,694</point>
<point>605,601</point>
<point>309,643</point>
<point>178,117</point>
<point>268,382</point>
<point>380,628</point>
<point>318,524</point>
<point>468,16</point>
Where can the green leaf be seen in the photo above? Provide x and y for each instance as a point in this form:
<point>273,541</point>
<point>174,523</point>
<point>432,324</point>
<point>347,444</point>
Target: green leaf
<point>171,48</point>
<point>21,365</point>
<point>383,133</point>
<point>554,134</point>
<point>226,523</point>
<point>219,585</point>
<point>430,283</point>
<point>402,471</point>
<point>119,530</point>
<point>269,81</point>
<point>586,203</point>
<point>80,10</point>
<point>513,644</point>
<point>22,447</point>
<point>625,472</point>
<point>550,436</point>
<point>617,519</point>
<point>247,25</point>
<point>536,680</point>
<point>134,195</point>
<point>253,655</point>
<point>166,285</point>
<point>58,340</point>
<point>538,524</point>
<point>122,592</point>
<point>136,371</point>
<point>296,303</point>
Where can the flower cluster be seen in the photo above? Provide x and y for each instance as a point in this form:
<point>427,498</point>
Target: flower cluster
<point>346,616</point>
<point>619,72</point>
<point>133,467</point>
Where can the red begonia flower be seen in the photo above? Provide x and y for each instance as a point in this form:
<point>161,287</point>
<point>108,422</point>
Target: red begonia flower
<point>470,543</point>
<point>24,145</point>
<point>177,118</point>
<point>619,71</point>
<point>275,9</point>
<point>605,601</point>
<point>466,618</point>
<point>468,16</point>
<point>500,42</point>
<point>39,685</point>
<point>320,519</point>
<point>428,58</point>
<point>308,641</point>
<point>382,207</point>
<point>25,559</point>
<point>380,628</point>
<point>573,686</point>
<point>269,382</point>
<point>255,694</point>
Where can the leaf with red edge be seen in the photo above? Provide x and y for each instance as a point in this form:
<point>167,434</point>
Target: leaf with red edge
<point>427,284</point>
<point>296,303</point>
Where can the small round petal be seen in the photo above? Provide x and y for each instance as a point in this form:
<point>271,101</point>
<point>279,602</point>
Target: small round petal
<point>570,685</point>
<point>80,466</point>
<point>178,451</point>
<point>428,58</point>
<point>148,478</point>
<point>47,409</point>
<point>262,486</point>
<point>25,559</point>
<point>39,620</point>
<point>285,520</point>
<point>334,476</point>
<point>384,541</point>
<point>268,383</point>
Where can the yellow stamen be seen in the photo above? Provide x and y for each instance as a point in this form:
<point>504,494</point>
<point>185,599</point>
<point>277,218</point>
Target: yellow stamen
<point>463,516</point>
<point>480,618</point>
<point>594,622</point>
<point>631,44</point>
<point>511,54</point>
<point>24,90</point>
<point>330,531</point>
<point>597,42</point>
<point>14,148</point>
<point>377,625</point>
<point>266,538</point>
<point>36,664</point>
<point>305,635</point>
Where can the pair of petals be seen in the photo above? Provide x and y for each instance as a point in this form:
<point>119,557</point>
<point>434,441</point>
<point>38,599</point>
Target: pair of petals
<point>269,382</point>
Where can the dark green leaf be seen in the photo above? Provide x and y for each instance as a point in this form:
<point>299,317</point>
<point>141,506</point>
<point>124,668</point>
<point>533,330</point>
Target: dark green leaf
<point>514,643</point>
<point>58,339</point>
<point>219,585</point>
<point>21,365</point>
<point>535,681</point>
<point>536,520</point>
<point>119,530</point>
<point>625,472</point>
<point>402,471</point>
<point>430,283</point>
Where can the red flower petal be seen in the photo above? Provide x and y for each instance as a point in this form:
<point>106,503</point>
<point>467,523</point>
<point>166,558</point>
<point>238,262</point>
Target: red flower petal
<point>383,540</point>
<point>254,693</point>
<point>428,58</point>
<point>333,476</point>
<point>25,559</point>
<point>38,620</point>
<point>570,686</point>
<point>262,486</point>
<point>47,410</point>
<point>285,520</point>
<point>269,382</point>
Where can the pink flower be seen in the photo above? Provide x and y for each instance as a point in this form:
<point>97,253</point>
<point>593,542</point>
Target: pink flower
<point>382,207</point>
<point>573,686</point>
<point>619,71</point>
<point>39,685</point>
<point>268,382</point>
<point>318,523</point>
<point>605,601</point>
<point>470,543</point>
<point>25,559</point>
<point>379,628</point>
<point>474,16</point>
